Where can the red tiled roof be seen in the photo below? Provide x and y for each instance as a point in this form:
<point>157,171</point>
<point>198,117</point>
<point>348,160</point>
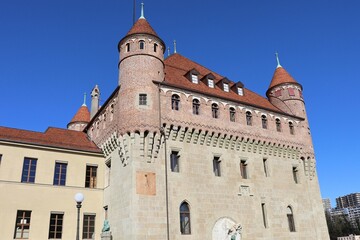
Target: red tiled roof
<point>82,115</point>
<point>142,26</point>
<point>176,66</point>
<point>52,137</point>
<point>281,76</point>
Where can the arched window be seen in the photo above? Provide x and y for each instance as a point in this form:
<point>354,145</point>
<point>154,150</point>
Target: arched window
<point>142,44</point>
<point>196,106</point>
<point>278,125</point>
<point>290,218</point>
<point>185,218</point>
<point>232,114</point>
<point>291,128</point>
<point>128,47</point>
<point>264,121</point>
<point>175,102</point>
<point>248,118</point>
<point>215,110</point>
<point>155,47</point>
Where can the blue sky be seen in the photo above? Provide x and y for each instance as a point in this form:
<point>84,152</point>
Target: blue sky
<point>51,52</point>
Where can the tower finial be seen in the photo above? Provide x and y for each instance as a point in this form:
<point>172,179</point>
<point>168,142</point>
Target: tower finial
<point>277,60</point>
<point>142,11</point>
<point>174,46</point>
<point>84,104</point>
<point>168,51</point>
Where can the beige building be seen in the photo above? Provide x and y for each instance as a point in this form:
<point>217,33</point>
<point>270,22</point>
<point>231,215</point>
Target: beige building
<point>40,174</point>
<point>187,154</point>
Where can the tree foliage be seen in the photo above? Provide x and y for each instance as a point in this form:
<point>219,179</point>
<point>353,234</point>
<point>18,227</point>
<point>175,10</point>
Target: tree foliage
<point>340,226</point>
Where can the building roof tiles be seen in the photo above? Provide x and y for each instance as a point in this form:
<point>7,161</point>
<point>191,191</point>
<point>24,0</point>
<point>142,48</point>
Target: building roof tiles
<point>176,67</point>
<point>52,137</point>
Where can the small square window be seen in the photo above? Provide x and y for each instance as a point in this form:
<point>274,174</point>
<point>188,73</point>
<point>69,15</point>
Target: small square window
<point>142,99</point>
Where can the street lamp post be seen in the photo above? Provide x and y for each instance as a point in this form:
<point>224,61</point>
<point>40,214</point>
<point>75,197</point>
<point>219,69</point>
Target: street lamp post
<point>79,198</point>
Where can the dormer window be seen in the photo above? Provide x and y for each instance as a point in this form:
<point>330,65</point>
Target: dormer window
<point>193,76</point>
<point>238,88</point>
<point>226,87</point>
<point>211,83</point>
<point>209,80</point>
<point>141,44</point>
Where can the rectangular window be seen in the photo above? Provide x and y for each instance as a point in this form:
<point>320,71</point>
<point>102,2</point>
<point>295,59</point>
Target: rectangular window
<point>211,83</point>
<point>226,87</point>
<point>29,170</point>
<point>263,209</point>
<point>243,169</point>
<point>142,99</point>
<point>22,225</point>
<point>60,174</point>
<point>56,225</point>
<point>174,158</point>
<point>216,166</point>
<point>88,226</point>
<point>265,164</point>
<point>240,91</point>
<point>194,78</point>
<point>295,174</point>
<point>90,179</point>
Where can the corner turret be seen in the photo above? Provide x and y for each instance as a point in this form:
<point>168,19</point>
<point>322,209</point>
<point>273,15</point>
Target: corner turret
<point>81,118</point>
<point>285,92</point>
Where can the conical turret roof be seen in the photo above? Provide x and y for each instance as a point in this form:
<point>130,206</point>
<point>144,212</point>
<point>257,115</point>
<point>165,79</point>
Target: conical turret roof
<point>281,76</point>
<point>82,115</point>
<point>142,26</point>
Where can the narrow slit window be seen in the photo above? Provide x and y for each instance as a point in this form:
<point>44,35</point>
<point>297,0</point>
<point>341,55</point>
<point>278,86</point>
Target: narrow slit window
<point>290,218</point>
<point>265,165</point>
<point>128,47</point>
<point>142,44</point>
<point>248,118</point>
<point>185,228</point>
<point>216,166</point>
<point>295,175</point>
<point>291,128</point>
<point>155,47</point>
<point>232,114</point>
<point>263,209</point>
<point>243,169</point>
<point>175,102</point>
<point>174,161</point>
<point>278,125</point>
<point>196,107</point>
<point>264,121</point>
<point>215,110</point>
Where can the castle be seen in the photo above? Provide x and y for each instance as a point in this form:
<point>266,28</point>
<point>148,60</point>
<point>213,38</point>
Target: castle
<point>176,152</point>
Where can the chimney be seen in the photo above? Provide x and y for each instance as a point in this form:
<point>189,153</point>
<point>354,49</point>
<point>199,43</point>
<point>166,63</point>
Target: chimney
<point>95,96</point>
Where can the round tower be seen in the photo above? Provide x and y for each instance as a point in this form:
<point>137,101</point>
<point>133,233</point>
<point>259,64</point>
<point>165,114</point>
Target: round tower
<point>285,92</point>
<point>80,119</point>
<point>141,63</point>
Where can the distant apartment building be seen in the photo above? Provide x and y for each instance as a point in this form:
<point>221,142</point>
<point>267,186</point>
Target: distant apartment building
<point>350,200</point>
<point>350,237</point>
<point>326,203</point>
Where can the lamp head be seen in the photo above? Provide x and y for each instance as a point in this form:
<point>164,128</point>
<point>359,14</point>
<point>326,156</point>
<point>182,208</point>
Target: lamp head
<point>79,198</point>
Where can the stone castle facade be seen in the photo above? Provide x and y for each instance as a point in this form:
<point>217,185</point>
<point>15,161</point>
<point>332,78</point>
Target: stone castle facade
<point>187,154</point>
<point>193,155</point>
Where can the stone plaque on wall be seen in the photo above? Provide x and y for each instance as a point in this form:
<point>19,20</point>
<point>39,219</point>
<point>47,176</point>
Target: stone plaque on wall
<point>146,183</point>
